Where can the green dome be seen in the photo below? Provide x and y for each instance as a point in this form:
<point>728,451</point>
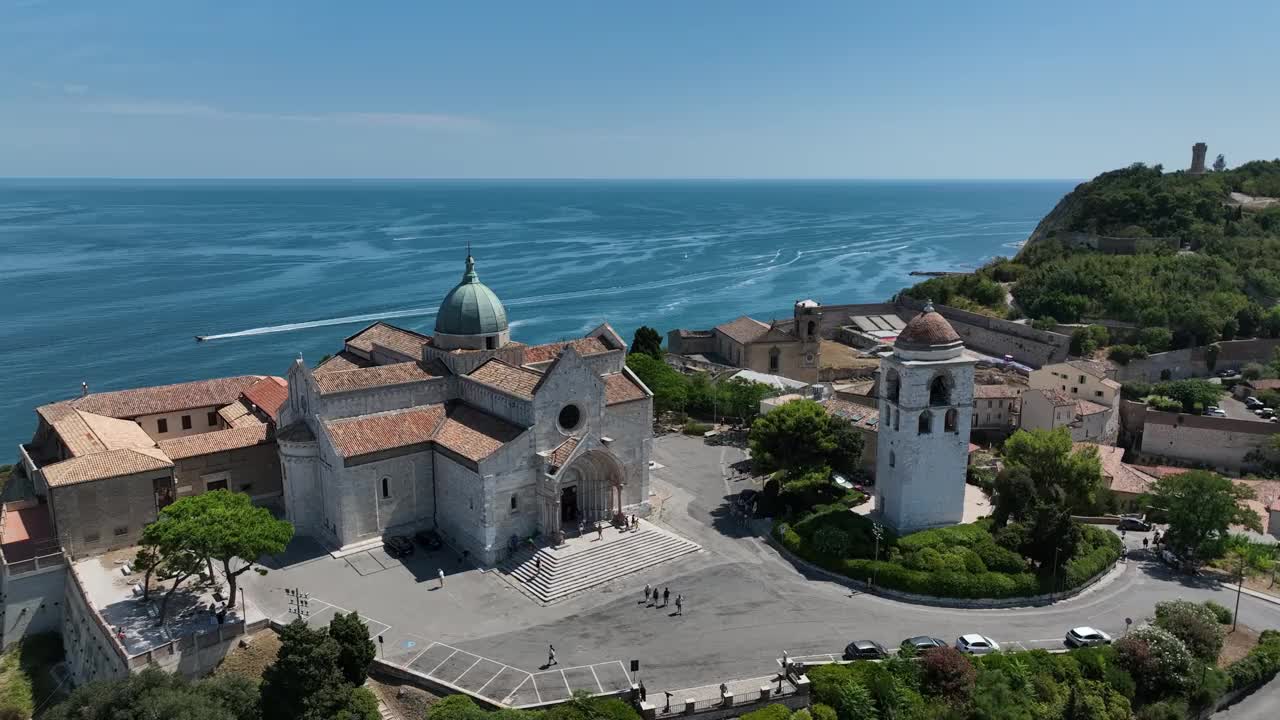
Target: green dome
<point>471,308</point>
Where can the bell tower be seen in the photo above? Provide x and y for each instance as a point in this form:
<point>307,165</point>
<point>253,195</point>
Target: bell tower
<point>808,329</point>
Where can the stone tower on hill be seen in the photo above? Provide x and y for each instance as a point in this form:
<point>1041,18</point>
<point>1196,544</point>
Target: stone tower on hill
<point>1198,151</point>
<point>926,391</point>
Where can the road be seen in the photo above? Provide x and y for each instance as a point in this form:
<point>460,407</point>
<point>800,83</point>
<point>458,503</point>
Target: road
<point>1237,410</point>
<point>1261,705</point>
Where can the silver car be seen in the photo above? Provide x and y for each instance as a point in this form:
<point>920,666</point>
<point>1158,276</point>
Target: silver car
<point>1085,636</point>
<point>975,644</point>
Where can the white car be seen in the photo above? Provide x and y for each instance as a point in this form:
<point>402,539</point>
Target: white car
<point>1085,636</point>
<point>975,644</point>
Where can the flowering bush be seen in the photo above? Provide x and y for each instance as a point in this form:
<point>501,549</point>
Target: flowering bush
<point>1158,660</point>
<point>1195,625</point>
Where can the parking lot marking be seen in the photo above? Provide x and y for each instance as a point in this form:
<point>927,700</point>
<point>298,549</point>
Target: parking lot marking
<point>480,691</point>
<point>442,662</point>
<point>566,683</point>
<point>424,652</point>
<point>464,672</point>
<point>597,677</point>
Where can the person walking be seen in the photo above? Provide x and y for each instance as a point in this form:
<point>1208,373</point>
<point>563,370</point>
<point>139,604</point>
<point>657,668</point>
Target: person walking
<point>551,655</point>
<point>679,604</point>
<point>440,573</point>
<point>648,589</point>
<point>666,593</point>
<point>537,565</point>
<point>599,531</point>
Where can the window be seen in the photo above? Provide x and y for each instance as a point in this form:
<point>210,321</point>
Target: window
<point>812,326</point>
<point>988,404</point>
<point>892,459</point>
<point>570,417</point>
<point>925,425</point>
<point>186,422</point>
<point>1097,393</point>
<point>491,343</point>
<point>162,426</point>
<point>386,488</point>
<point>773,359</point>
<point>124,530</point>
<point>515,502</point>
<point>216,485</point>
<point>940,391</point>
<point>951,421</point>
<point>91,537</point>
<point>1075,390</point>
<point>213,419</point>
<point>896,417</point>
<point>1081,380</point>
<point>891,385</point>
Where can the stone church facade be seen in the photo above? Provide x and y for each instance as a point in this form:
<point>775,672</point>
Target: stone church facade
<point>466,431</point>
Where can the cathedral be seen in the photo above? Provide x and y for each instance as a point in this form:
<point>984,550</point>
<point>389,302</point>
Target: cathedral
<point>926,410</point>
<point>482,438</point>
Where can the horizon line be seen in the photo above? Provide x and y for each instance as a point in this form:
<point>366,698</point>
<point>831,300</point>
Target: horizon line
<point>585,178</point>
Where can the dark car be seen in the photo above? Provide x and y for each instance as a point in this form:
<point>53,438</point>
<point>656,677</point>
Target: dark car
<point>1129,522</point>
<point>397,546</point>
<point>924,642</point>
<point>865,650</point>
<point>428,539</point>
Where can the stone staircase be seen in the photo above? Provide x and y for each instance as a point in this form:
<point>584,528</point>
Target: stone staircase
<point>582,565</point>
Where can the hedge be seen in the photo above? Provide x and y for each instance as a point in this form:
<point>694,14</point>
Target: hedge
<point>1260,665</point>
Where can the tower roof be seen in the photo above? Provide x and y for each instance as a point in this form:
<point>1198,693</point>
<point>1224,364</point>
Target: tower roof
<point>471,308</point>
<point>927,331</point>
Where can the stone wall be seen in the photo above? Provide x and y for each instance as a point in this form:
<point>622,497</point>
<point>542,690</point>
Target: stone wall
<point>511,472</point>
<point>1194,362</point>
<point>631,426</point>
<point>254,471</point>
<point>460,506</point>
<point>92,652</point>
<point>95,517</point>
<point>368,512</point>
<point>31,603</point>
<point>375,400</point>
<point>1220,443</point>
<point>998,337</point>
<point>690,345</point>
<point>495,402</point>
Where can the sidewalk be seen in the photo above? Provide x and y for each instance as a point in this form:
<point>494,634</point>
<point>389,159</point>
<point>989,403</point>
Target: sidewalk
<point>743,691</point>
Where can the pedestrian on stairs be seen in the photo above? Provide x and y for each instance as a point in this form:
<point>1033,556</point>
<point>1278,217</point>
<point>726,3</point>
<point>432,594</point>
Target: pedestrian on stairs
<point>599,531</point>
<point>537,564</point>
<point>647,591</point>
<point>551,656</point>
<point>666,593</point>
<point>440,572</point>
<point>679,604</point>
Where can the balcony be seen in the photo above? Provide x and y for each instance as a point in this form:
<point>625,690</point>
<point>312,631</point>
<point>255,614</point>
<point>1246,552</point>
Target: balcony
<point>27,543</point>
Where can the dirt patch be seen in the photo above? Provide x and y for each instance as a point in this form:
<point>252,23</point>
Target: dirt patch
<point>1238,644</point>
<point>406,701</point>
<point>252,657</point>
<point>839,355</point>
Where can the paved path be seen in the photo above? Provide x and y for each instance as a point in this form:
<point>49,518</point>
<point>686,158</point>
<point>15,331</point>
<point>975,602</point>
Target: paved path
<point>1261,705</point>
<point>744,604</point>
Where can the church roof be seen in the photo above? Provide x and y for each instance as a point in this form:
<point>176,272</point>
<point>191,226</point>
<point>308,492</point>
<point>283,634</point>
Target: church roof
<point>405,342</point>
<point>510,379</point>
<point>619,387</point>
<point>743,330</point>
<point>550,351</point>
<point>365,434</point>
<point>471,308</point>
<point>558,457</point>
<point>474,434</point>
<point>928,329</point>
<point>379,376</point>
<point>342,361</point>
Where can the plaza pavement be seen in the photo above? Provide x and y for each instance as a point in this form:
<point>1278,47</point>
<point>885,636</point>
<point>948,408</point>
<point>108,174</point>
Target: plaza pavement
<point>744,604</point>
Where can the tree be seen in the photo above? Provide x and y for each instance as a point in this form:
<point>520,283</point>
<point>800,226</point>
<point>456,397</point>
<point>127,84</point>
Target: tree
<point>1193,394</point>
<point>1220,163</point>
<point>227,527</point>
<point>147,560</point>
<point>668,386</point>
<point>742,398</point>
<point>853,701</point>
<point>647,341</point>
<point>1085,341</point>
<point>1157,660</point>
<point>846,457</point>
<point>168,537</point>
<point>355,648</point>
<point>153,693</point>
<point>795,435</point>
<point>304,683</point>
<point>994,698</point>
<point>1043,482</point>
<point>947,673</point>
<point>1195,625</point>
<point>1200,506</point>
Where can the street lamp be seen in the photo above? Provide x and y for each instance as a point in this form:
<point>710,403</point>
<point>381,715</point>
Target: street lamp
<point>1053,583</point>
<point>1239,586</point>
<point>878,531</point>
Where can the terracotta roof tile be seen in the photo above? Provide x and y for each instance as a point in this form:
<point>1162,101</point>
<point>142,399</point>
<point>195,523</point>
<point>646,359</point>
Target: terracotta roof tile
<point>1265,384</point>
<point>743,330</point>
<point>353,437</point>
<point>165,398</point>
<point>215,442</point>
<point>405,342</point>
<point>550,351</point>
<point>103,465</point>
<point>517,381</point>
<point>342,361</point>
<point>561,454</point>
<point>378,376</point>
<point>927,328</point>
<point>268,394</point>
<point>620,388</point>
<point>993,392</point>
<point>1057,397</point>
<point>1120,476</point>
<point>860,415</point>
<point>1085,407</point>
<point>1096,368</point>
<point>474,434</point>
<point>237,414</point>
<point>71,428</point>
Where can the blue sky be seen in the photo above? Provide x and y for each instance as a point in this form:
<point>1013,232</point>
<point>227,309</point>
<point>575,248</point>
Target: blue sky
<point>631,89</point>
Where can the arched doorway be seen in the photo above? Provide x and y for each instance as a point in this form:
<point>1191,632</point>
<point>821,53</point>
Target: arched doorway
<point>589,490</point>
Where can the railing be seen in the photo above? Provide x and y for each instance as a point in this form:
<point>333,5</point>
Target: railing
<point>32,469</point>
<point>48,553</point>
<point>42,562</point>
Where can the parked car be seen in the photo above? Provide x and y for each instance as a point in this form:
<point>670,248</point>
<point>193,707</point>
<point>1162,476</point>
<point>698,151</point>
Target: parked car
<point>924,642</point>
<point>1215,411</point>
<point>428,539</point>
<point>397,546</point>
<point>975,644</point>
<point>1085,636</point>
<point>1268,412</point>
<point>1136,523</point>
<point>865,650</point>
<point>1170,558</point>
<point>1252,402</point>
<point>1226,373</point>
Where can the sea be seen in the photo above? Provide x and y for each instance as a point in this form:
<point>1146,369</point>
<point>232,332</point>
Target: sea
<point>107,282</point>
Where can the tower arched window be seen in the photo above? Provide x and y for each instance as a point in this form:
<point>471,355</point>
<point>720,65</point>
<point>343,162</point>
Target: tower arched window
<point>774,355</point>
<point>940,391</point>
<point>893,459</point>
<point>892,383</point>
<point>951,421</point>
<point>926,422</point>
<point>812,326</point>
<point>896,417</point>
<point>386,487</point>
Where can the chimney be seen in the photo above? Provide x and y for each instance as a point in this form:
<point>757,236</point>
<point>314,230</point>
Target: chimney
<point>84,389</point>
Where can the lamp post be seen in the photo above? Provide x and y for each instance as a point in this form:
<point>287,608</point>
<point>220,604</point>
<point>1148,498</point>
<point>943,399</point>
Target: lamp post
<point>1053,582</point>
<point>1235,618</point>
<point>878,531</point>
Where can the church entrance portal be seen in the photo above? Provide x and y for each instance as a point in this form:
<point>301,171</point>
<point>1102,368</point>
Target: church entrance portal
<point>569,505</point>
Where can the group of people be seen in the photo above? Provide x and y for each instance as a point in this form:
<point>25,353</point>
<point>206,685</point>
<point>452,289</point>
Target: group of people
<point>651,596</point>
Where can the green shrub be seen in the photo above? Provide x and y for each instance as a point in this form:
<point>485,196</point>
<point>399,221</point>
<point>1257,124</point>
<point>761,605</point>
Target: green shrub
<point>694,427</point>
<point>1260,665</point>
<point>831,541</point>
<point>769,712</point>
<point>1124,353</point>
<point>1213,683</point>
<point>823,712</point>
<point>802,714</point>
<point>1223,615</point>
<point>1195,625</point>
<point>1164,710</point>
